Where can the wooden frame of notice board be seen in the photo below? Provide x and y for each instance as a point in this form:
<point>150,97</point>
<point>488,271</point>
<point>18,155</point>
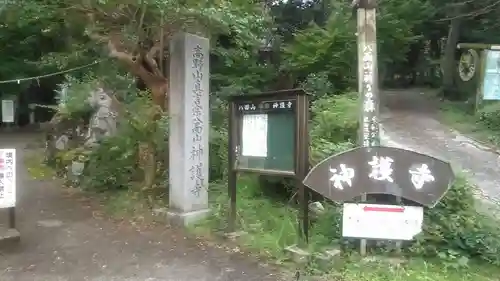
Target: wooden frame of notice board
<point>268,135</point>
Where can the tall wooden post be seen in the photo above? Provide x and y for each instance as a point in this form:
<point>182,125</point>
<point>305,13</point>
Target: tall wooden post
<point>367,79</point>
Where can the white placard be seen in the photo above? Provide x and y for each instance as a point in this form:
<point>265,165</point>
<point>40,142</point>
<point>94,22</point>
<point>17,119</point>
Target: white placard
<point>254,135</point>
<point>7,111</point>
<point>7,178</point>
<point>388,222</point>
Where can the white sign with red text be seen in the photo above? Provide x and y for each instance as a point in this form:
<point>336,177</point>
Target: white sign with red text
<point>7,178</point>
<point>387,222</point>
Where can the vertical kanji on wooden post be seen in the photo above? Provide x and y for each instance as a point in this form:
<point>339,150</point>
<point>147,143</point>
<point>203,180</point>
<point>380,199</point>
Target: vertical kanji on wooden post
<point>369,134</point>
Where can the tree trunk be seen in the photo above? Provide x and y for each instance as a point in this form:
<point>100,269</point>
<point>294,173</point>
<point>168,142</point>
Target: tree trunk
<point>147,163</point>
<point>449,64</point>
<point>159,92</point>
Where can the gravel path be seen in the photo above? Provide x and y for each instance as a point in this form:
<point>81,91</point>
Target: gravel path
<point>410,121</point>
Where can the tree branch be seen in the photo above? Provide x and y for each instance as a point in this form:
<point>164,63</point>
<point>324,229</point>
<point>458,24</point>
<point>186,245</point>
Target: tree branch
<point>133,62</point>
<point>481,11</point>
<point>123,56</point>
<point>150,59</point>
<point>158,49</point>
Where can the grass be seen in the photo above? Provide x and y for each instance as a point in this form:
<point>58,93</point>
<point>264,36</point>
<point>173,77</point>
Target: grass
<point>271,225</point>
<point>459,116</point>
<point>36,169</point>
<point>415,270</point>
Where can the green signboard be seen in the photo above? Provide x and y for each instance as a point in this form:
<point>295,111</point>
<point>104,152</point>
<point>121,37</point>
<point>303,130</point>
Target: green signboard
<point>266,134</point>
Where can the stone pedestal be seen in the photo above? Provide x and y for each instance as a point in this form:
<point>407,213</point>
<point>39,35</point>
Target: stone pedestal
<point>189,128</point>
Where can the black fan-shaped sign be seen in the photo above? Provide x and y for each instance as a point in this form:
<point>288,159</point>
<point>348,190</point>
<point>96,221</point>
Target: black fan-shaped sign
<point>381,170</point>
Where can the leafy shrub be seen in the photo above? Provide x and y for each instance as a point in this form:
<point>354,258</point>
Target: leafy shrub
<point>489,115</point>
<point>335,119</point>
<point>218,153</point>
<point>318,84</point>
<point>72,97</point>
<point>112,165</point>
<point>456,224</point>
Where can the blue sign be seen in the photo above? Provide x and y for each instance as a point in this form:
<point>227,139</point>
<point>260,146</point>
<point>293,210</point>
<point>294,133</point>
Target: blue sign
<point>491,82</point>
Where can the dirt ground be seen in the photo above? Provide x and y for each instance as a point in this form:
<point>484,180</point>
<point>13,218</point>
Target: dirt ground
<point>64,238</point>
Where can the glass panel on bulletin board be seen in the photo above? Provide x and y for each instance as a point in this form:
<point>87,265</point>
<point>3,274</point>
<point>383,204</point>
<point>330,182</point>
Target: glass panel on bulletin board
<point>268,137</point>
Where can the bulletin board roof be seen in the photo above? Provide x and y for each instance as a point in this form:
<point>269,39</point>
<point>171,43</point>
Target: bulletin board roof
<point>270,94</point>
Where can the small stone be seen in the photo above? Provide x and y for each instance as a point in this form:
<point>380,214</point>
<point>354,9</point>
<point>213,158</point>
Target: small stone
<point>255,226</point>
<point>297,254</point>
<point>234,235</point>
<point>316,208</point>
<point>160,211</point>
<point>62,142</point>
<point>394,261</point>
<point>49,223</point>
<point>323,261</point>
<point>333,252</point>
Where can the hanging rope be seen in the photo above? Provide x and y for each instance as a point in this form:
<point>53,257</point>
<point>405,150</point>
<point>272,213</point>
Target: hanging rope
<point>50,74</point>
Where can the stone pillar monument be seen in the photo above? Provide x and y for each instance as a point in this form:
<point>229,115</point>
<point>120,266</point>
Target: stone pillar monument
<point>189,128</point>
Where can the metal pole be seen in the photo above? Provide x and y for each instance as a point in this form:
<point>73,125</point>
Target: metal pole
<point>367,80</point>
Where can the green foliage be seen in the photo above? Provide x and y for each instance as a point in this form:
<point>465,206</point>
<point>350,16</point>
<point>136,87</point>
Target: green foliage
<point>334,126</point>
<point>218,154</point>
<point>318,84</point>
<point>335,118</point>
<point>330,50</point>
<point>252,205</point>
<point>489,115</point>
<point>112,165</point>
<point>72,97</point>
<point>115,162</point>
<point>455,228</point>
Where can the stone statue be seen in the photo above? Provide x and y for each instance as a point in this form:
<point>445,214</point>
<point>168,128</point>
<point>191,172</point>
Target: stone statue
<point>63,133</point>
<point>103,122</point>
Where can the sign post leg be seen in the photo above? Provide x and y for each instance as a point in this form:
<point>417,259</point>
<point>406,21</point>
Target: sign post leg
<point>12,217</point>
<point>232,163</point>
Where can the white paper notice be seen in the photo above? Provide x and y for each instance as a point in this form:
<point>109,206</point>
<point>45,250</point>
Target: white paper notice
<point>254,135</point>
<point>373,221</point>
<point>7,178</point>
<point>7,111</point>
